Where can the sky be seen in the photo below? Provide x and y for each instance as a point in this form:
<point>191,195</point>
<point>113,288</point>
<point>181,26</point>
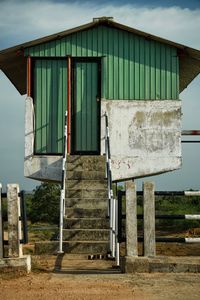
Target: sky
<point>21,21</point>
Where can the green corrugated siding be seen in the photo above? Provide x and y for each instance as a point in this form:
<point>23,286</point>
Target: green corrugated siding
<point>50,98</point>
<point>132,67</point>
<point>86,107</point>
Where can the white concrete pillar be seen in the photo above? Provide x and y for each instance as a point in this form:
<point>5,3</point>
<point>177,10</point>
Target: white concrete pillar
<point>1,225</point>
<point>149,219</point>
<point>131,219</point>
<point>14,225</point>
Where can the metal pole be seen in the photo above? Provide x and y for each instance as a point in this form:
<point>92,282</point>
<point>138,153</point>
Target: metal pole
<point>119,218</point>
<point>116,229</point>
<point>62,193</point>
<point>28,76</point>
<point>113,228</point>
<point>190,132</point>
<point>69,104</point>
<point>111,220</point>
<point>24,218</point>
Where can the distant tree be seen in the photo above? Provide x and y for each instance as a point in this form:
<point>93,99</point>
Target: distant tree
<point>45,203</point>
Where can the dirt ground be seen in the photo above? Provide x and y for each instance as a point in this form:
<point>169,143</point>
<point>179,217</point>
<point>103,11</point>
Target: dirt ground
<point>49,286</point>
<point>98,280</point>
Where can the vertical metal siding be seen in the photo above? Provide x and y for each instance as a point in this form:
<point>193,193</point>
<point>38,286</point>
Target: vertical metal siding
<point>133,67</point>
<point>50,97</point>
<point>86,121</point>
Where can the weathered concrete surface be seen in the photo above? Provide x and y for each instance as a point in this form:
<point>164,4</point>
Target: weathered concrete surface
<point>35,166</point>
<point>43,168</point>
<point>131,219</point>
<point>1,226</point>
<point>145,136</point>
<point>14,234</point>
<point>149,219</point>
<point>145,140</point>
<point>160,264</point>
<point>22,264</point>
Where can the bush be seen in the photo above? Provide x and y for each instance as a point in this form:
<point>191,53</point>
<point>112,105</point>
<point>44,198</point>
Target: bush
<point>44,205</point>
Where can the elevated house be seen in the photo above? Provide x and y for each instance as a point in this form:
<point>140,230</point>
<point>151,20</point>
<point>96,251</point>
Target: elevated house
<point>97,68</point>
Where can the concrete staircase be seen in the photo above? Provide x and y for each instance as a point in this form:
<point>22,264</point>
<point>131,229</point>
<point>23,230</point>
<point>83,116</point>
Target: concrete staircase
<point>86,226</point>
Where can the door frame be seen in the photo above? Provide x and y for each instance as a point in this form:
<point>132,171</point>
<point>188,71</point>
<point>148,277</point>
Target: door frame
<point>73,103</point>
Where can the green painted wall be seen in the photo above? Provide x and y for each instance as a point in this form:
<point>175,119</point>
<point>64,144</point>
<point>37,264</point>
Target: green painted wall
<point>50,93</point>
<point>132,67</point>
<point>86,108</point>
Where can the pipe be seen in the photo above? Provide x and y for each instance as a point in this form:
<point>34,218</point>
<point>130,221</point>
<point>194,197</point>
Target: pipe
<point>29,76</point>
<point>62,193</point>
<point>190,132</point>
<point>69,104</point>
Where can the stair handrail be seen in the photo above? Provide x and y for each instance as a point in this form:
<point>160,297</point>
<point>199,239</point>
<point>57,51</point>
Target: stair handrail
<point>112,207</point>
<point>62,191</point>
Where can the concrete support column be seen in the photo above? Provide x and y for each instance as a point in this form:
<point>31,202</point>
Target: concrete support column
<point>131,219</point>
<point>149,219</point>
<point>1,226</point>
<point>14,225</point>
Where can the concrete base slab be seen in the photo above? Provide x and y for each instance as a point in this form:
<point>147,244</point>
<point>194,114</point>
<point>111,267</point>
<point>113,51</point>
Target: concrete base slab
<point>21,264</point>
<point>160,264</point>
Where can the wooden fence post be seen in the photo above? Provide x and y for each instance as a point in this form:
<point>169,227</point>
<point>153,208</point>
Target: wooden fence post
<point>149,219</point>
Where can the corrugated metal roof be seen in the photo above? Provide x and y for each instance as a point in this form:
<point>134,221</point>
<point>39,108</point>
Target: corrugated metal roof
<point>13,63</point>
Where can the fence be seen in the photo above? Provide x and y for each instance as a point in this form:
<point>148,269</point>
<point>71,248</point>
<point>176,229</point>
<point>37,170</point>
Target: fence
<point>149,216</point>
<point>16,220</point>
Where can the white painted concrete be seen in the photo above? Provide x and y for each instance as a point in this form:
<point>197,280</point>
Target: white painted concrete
<point>39,167</point>
<point>145,136</point>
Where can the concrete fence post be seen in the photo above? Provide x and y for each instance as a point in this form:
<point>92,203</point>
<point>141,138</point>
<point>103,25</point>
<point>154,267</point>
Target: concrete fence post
<point>131,219</point>
<point>1,225</point>
<point>14,225</point>
<point>149,219</point>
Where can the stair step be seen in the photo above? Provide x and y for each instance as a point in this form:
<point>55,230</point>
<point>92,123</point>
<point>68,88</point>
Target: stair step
<point>85,158</point>
<point>86,163</point>
<point>92,185</point>
<point>85,234</point>
<point>73,247</point>
<point>84,223</point>
<point>83,193</point>
<point>86,203</point>
<point>85,175</point>
<point>88,213</point>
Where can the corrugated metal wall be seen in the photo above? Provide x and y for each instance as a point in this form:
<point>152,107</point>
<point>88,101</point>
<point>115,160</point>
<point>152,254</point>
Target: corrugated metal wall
<point>50,94</point>
<point>132,67</point>
<point>86,107</point>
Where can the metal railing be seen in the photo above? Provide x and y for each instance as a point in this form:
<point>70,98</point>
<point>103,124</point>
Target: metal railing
<point>160,217</point>
<point>190,133</point>
<point>112,203</point>
<point>62,192</point>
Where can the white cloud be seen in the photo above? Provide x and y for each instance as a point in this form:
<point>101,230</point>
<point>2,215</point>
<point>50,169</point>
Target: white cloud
<point>25,20</point>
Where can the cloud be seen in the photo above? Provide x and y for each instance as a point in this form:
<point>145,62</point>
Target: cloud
<point>26,20</point>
